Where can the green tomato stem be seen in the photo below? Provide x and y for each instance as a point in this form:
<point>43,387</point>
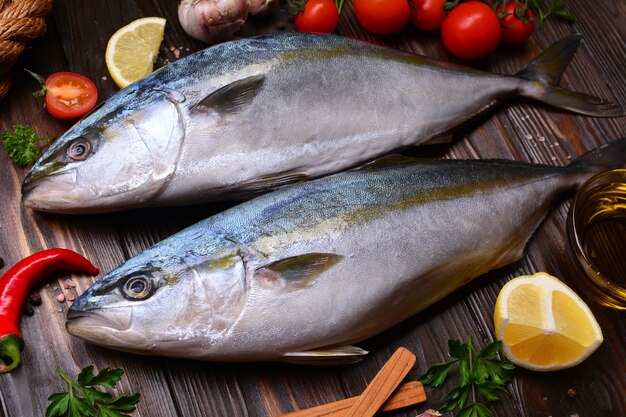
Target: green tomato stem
<point>339,5</point>
<point>10,348</point>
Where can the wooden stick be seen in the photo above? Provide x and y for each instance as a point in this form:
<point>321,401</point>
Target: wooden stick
<point>407,394</point>
<point>383,384</point>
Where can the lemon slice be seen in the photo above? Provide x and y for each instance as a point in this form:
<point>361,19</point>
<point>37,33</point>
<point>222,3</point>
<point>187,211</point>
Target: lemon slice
<point>133,49</point>
<point>543,324</point>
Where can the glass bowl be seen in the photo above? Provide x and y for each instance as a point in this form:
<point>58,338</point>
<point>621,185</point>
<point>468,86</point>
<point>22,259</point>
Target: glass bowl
<point>596,229</point>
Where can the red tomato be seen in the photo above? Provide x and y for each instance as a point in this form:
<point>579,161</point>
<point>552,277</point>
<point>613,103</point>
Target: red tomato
<point>318,16</point>
<point>69,95</point>
<point>428,14</point>
<point>514,29</point>
<point>382,16</point>
<point>471,30</point>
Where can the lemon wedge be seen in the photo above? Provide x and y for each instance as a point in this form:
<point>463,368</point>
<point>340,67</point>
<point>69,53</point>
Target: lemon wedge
<point>543,324</point>
<point>133,49</point>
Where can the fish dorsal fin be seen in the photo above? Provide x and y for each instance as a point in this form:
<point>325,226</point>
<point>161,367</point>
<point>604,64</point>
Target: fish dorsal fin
<point>326,356</point>
<point>295,272</point>
<point>385,161</point>
<point>271,182</point>
<point>233,97</point>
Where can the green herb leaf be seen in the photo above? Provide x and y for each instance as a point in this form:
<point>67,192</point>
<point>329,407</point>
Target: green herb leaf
<point>491,350</point>
<point>465,373</point>
<point>67,405</point>
<point>121,403</point>
<point>125,402</point>
<point>21,145</point>
<point>456,349</point>
<point>83,399</point>
<point>491,390</point>
<point>488,367</point>
<point>475,410</point>
<point>59,404</point>
<point>85,376</point>
<point>456,399</point>
<point>436,374</point>
<point>79,407</point>
<point>108,377</point>
<point>464,352</point>
<point>480,373</point>
<point>93,396</point>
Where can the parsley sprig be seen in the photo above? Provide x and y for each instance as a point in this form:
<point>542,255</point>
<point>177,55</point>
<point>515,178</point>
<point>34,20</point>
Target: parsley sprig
<point>479,372</point>
<point>21,145</point>
<point>83,399</point>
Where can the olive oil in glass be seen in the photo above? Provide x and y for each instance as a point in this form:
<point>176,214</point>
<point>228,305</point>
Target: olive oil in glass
<point>597,234</point>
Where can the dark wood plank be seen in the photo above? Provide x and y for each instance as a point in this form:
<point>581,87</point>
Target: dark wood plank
<point>76,39</point>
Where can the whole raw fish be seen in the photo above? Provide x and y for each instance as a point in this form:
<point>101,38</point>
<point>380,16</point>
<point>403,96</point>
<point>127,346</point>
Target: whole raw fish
<point>302,273</point>
<point>248,116</point>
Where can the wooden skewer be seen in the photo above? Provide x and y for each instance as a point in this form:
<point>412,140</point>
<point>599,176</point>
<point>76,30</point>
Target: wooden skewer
<point>407,394</point>
<point>383,384</point>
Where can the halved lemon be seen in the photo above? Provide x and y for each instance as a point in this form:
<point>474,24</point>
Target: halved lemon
<point>543,324</point>
<point>133,49</point>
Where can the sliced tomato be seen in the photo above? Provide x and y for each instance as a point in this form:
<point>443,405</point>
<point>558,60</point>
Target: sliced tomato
<point>69,95</point>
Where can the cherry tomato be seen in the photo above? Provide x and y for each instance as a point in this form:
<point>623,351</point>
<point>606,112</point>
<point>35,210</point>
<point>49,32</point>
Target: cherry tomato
<point>471,30</point>
<point>516,30</point>
<point>69,95</point>
<point>428,14</point>
<point>318,16</point>
<point>382,17</point>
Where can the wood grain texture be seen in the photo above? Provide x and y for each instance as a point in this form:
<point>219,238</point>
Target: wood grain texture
<point>78,31</point>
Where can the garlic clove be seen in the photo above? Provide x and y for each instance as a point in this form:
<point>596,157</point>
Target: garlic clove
<point>212,21</point>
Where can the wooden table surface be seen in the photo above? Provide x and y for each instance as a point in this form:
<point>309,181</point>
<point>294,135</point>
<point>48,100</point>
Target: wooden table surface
<point>76,38</point>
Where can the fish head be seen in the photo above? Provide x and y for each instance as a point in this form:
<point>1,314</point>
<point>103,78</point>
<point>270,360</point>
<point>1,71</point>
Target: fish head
<point>119,156</point>
<point>164,305</point>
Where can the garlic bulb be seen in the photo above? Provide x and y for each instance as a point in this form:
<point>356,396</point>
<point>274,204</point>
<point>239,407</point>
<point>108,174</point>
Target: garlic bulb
<point>212,21</point>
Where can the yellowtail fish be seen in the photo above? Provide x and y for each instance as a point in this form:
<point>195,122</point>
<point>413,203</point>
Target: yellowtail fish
<point>245,117</point>
<point>303,273</point>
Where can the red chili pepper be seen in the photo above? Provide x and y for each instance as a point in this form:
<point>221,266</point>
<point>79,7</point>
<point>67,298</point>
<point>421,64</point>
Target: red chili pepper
<point>15,285</point>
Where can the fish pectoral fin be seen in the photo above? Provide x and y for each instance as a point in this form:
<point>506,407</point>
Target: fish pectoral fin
<point>271,182</point>
<point>295,272</point>
<point>233,97</point>
<point>326,356</point>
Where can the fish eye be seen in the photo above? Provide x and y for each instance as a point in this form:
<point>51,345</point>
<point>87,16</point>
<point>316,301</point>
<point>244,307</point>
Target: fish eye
<point>137,287</point>
<point>79,150</point>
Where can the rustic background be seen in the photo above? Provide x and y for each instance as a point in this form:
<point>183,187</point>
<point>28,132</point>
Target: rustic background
<point>76,38</point>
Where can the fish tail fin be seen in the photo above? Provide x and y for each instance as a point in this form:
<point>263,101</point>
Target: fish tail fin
<point>545,73</point>
<point>603,158</point>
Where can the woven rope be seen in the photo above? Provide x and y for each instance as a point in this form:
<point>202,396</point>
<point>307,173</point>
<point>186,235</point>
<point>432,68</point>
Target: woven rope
<point>20,22</point>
